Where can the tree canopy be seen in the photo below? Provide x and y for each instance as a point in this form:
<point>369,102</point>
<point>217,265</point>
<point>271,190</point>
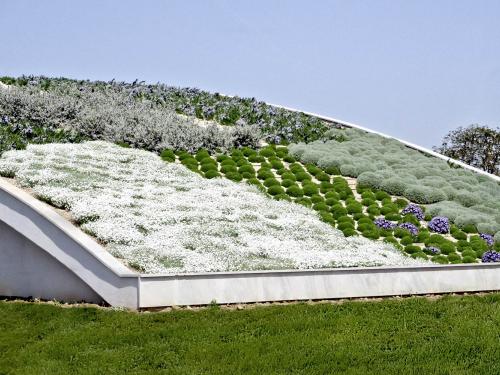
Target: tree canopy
<point>475,145</point>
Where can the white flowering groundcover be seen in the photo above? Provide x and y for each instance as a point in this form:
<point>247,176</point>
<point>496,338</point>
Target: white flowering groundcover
<point>161,217</point>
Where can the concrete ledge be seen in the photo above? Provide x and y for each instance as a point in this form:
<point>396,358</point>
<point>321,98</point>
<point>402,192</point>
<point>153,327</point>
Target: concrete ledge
<point>241,287</point>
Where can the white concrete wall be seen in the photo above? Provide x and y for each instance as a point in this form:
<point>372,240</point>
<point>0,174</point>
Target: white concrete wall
<point>241,287</point>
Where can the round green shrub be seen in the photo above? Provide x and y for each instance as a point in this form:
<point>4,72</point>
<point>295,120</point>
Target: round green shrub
<point>428,217</point>
<point>271,181</point>
<point>469,253</point>
<point>389,208</point>
<point>289,159</point>
<point>312,169</point>
<point>446,248</point>
<point>327,217</point>
<point>267,152</point>
<point>362,227</point>
<point>441,259</point>
<point>242,161</point>
<point>391,240</point>
<point>228,162</point>
<point>380,195</point>
<point>436,238</point>
<point>247,151</point>
<point>234,176</point>
<point>320,207</point>
<point>288,176</point>
<point>345,225</point>
<point>411,219</point>
<point>281,152</point>
<point>366,220</point>
<point>302,176</point>
<point>367,194</point>
<point>401,203</point>
<point>348,232</point>
<point>331,201</point>
<point>400,232</point>
<point>406,240</point>
<point>317,198</point>
<point>419,255</point>
<point>468,259</point>
<point>459,235</point>
<point>247,175</point>
<point>469,228</point>
<point>295,191</point>
<point>367,202</point>
<point>310,189</point>
<point>353,208</point>
<point>322,176</point>
<point>332,170</point>
<point>221,157</point>
<point>208,160</point>
<point>371,234</point>
<point>275,190</point>
<point>411,249</point>
<point>256,159</point>
<point>304,201</point>
<point>422,236</point>
<point>254,181</point>
<point>237,154</point>
<point>454,257</point>
<point>345,219</point>
<point>264,174</point>
<point>287,183</point>
<point>373,210</point>
<point>277,164</point>
<point>202,154</point>
<point>246,168</point>
<point>282,197</point>
<point>358,215</point>
<point>168,155</point>
<point>332,194</point>
<point>393,216</point>
<point>212,174</point>
<point>281,171</point>
<point>228,169</point>
<point>326,187</point>
<point>208,167</point>
<point>338,211</point>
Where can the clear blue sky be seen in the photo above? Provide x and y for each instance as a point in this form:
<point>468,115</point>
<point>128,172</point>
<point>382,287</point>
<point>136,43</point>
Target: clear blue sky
<point>412,69</point>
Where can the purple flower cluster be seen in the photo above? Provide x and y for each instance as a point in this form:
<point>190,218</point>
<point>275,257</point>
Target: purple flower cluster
<point>433,250</point>
<point>384,224</point>
<point>412,228</point>
<point>415,210</point>
<point>487,237</point>
<point>490,257</point>
<point>439,224</point>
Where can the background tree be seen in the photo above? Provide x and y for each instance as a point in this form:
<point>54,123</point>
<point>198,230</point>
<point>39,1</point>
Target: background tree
<point>475,145</point>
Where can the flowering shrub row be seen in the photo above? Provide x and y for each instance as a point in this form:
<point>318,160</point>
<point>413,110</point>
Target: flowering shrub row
<point>111,115</point>
<point>160,216</point>
<point>277,125</point>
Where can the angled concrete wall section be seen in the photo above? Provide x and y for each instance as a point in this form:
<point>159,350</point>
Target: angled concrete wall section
<point>38,246</point>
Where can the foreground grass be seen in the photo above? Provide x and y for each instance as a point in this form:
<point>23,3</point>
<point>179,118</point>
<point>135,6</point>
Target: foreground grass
<point>452,335</point>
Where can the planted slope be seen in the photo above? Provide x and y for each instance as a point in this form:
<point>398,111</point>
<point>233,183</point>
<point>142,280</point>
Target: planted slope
<point>466,198</point>
<point>163,217</point>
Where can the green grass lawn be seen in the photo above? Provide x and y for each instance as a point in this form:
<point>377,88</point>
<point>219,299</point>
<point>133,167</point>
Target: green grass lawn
<point>452,335</point>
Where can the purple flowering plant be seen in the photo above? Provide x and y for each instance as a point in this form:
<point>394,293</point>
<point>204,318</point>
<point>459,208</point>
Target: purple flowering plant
<point>432,250</point>
<point>490,257</point>
<point>439,224</point>
<point>384,224</point>
<point>413,209</point>
<point>488,238</point>
<point>412,228</point>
